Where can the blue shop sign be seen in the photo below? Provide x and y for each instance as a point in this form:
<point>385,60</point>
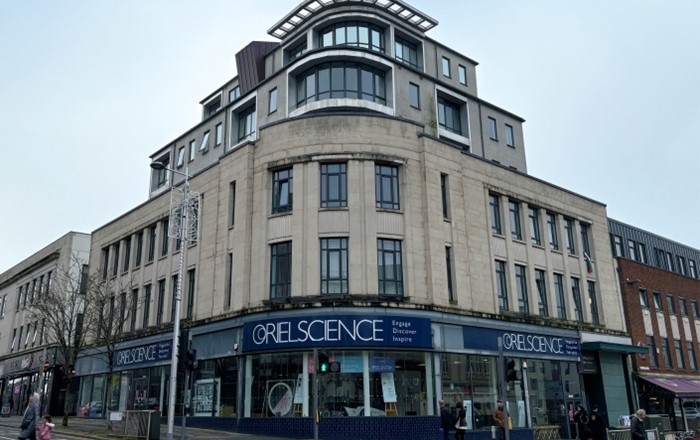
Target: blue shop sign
<point>515,342</point>
<point>143,355</point>
<point>337,331</point>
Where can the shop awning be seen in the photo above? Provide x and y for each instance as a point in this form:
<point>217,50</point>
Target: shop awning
<point>680,387</point>
<point>610,346</point>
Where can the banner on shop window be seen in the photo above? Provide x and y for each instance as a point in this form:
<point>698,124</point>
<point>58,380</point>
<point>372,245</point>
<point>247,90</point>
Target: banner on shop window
<point>515,342</point>
<point>336,331</point>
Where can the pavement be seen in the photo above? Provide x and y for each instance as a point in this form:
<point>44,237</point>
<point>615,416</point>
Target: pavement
<point>80,428</point>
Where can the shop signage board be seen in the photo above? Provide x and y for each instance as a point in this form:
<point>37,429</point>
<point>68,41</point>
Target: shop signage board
<point>143,355</point>
<point>337,331</point>
<point>522,343</point>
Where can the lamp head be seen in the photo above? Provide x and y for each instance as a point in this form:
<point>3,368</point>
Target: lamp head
<point>157,165</point>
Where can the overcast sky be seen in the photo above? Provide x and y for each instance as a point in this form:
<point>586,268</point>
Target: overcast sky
<point>610,91</point>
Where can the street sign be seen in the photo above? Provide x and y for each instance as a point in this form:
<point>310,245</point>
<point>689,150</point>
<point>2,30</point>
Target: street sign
<point>46,365</point>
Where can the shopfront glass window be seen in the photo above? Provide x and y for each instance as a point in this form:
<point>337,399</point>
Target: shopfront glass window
<point>214,388</point>
<point>273,384</point>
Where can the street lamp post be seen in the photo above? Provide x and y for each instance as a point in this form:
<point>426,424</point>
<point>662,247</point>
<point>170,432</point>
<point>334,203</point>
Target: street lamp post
<point>180,206</point>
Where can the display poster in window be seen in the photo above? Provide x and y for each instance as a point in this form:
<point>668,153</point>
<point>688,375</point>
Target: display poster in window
<point>388,388</point>
<point>206,397</point>
<point>350,363</point>
<point>381,364</point>
<point>468,413</point>
<point>521,413</point>
<point>298,391</point>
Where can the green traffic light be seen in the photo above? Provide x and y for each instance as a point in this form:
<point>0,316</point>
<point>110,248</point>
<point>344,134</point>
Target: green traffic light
<point>324,367</point>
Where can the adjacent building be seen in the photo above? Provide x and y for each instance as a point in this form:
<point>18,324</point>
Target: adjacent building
<point>28,361</point>
<point>661,291</point>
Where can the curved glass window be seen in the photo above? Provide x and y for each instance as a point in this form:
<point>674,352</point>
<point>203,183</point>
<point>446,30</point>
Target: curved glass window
<point>341,80</point>
<point>354,34</point>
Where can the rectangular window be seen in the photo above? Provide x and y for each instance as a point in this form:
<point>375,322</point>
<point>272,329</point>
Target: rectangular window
<point>449,116</point>
<point>282,190</point>
<point>281,270</point>
<point>534,216</point>
<point>205,142</point>
<point>576,295</point>
<point>272,101</point>
<point>414,95</point>
<point>671,304</point>
<point>234,94</point>
<point>219,137</point>
<point>334,191</point>
<point>246,123</point>
<point>146,305</point>
<point>462,75</point>
<point>683,307</point>
<point>4,306</point>
<point>643,299</point>
<point>667,353</point>
<point>164,239</point>
<point>193,149</point>
<point>445,191</point>
<point>559,295</point>
<point>617,246</point>
<point>642,253</point>
<point>693,271</point>
<point>593,302</point>
<point>521,288</point>
<point>541,282</point>
<point>495,208</point>
<point>127,254</point>
<point>552,231</point>
<point>501,286</point>
<point>161,302</point>
<point>122,313</point>
<point>152,243</point>
<point>134,308</point>
<point>190,293</point>
<point>692,360</point>
<point>569,230</point>
<point>515,229</point>
<point>406,52</point>
<point>449,271</point>
<point>657,302</point>
<point>387,186</point>
<point>695,309</point>
<point>229,279</point>
<point>632,249</point>
<point>14,340</point>
<point>181,157</point>
<point>493,131</point>
<point>585,228</point>
<point>231,204</point>
<point>682,268</point>
<point>446,67</point>
<point>510,139</point>
<point>680,360</point>
<point>334,266</point>
<point>390,267</point>
<point>139,248</point>
<point>653,356</point>
<point>115,260</point>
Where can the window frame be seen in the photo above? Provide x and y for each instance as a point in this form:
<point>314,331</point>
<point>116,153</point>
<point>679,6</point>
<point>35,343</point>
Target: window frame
<point>218,134</point>
<point>534,219</point>
<point>495,214</point>
<point>521,289</point>
<point>328,177</point>
<point>414,91</point>
<point>391,285</point>
<point>246,122</point>
<point>446,67</point>
<point>501,286</point>
<point>552,231</point>
<point>387,197</point>
<point>510,136</point>
<point>334,259</point>
<point>570,236</point>
<point>282,190</point>
<point>516,229</point>
<point>542,300</point>
<point>560,296</point>
<point>462,74</point>
<point>492,127</point>
<point>272,101</point>
<point>281,270</point>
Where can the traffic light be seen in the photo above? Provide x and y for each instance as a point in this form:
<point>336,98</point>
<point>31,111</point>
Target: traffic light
<point>191,359</point>
<point>511,372</point>
<point>325,365</point>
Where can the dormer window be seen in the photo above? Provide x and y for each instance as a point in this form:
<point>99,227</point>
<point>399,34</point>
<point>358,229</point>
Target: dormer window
<point>212,107</point>
<point>354,34</point>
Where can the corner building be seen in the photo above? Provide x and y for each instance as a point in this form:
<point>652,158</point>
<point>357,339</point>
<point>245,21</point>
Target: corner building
<point>357,196</point>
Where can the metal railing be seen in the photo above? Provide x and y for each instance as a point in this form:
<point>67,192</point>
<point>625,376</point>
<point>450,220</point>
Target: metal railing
<point>134,424</point>
<point>625,434</point>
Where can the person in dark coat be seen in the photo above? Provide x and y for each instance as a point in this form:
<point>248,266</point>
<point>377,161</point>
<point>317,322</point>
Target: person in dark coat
<point>462,418</point>
<point>637,426</point>
<point>445,420</point>
<point>596,424</point>
<point>31,419</point>
<point>581,419</point>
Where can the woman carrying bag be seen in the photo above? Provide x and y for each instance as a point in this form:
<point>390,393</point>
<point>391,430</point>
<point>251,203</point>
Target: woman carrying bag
<point>461,423</point>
